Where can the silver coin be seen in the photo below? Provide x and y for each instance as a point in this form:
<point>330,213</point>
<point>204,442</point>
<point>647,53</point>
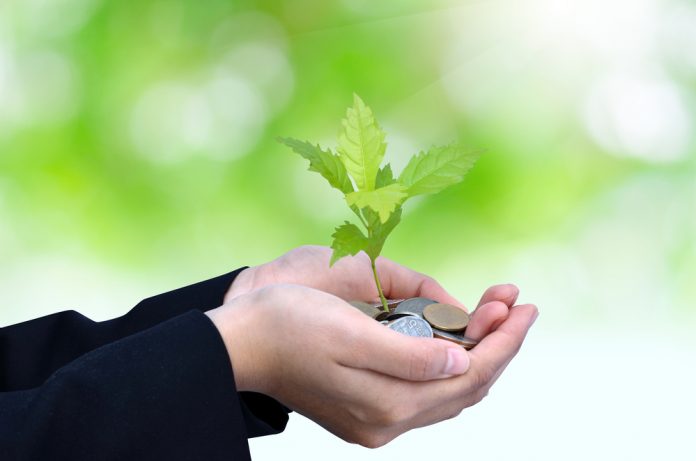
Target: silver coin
<point>412,326</point>
<point>399,315</point>
<point>413,306</point>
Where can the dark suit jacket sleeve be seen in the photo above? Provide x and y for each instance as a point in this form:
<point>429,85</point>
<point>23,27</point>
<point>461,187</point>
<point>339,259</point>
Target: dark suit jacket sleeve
<point>155,383</point>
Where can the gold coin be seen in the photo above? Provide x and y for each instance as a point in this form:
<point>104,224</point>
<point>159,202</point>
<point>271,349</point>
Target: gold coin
<point>464,341</point>
<point>366,308</point>
<point>446,317</point>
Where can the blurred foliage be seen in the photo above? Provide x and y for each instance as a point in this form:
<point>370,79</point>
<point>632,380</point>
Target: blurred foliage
<point>142,133</point>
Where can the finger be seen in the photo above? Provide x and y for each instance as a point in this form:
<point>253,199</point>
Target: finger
<point>485,319</point>
<point>499,347</point>
<point>385,351</point>
<point>506,293</point>
<point>438,400</point>
<point>487,361</point>
<point>400,282</point>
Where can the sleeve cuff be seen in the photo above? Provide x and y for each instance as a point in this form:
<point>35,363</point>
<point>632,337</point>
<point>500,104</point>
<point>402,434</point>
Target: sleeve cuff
<point>201,296</point>
<point>263,415</point>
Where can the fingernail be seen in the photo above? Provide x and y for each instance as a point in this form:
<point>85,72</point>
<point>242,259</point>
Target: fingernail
<point>536,314</point>
<point>457,361</point>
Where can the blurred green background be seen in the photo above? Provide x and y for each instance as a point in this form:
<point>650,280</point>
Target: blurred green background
<point>138,152</point>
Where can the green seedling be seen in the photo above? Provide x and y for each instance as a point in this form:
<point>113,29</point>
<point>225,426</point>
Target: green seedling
<point>373,193</point>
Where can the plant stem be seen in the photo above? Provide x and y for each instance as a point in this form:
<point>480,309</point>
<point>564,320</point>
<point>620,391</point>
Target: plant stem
<point>362,220</point>
<point>379,286</point>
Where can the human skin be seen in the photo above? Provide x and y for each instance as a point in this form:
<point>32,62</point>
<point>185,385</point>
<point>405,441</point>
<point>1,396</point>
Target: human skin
<point>290,334</point>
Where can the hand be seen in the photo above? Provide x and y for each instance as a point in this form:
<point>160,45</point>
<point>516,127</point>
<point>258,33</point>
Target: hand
<point>351,278</point>
<point>363,382</point>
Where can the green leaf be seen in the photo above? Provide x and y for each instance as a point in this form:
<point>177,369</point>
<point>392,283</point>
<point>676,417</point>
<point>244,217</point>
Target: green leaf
<point>430,172</point>
<point>383,200</point>
<point>323,162</point>
<point>379,231</point>
<point>384,176</point>
<point>361,144</point>
<point>348,240</point>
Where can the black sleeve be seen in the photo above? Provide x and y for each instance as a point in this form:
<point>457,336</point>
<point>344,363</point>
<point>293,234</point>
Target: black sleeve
<point>31,351</point>
<point>139,386</point>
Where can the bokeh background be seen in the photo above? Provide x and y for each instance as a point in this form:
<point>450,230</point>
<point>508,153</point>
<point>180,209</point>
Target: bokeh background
<point>138,154</point>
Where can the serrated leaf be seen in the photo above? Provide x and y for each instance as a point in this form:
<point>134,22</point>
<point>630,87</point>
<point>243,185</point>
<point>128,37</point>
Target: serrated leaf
<point>384,177</point>
<point>378,227</point>
<point>383,200</point>
<point>348,240</point>
<point>323,162</point>
<point>361,144</point>
<point>380,231</point>
<point>430,172</point>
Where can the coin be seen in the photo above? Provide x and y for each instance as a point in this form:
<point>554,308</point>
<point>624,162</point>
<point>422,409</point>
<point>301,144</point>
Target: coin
<point>366,308</point>
<point>413,306</point>
<point>411,326</point>
<point>398,315</point>
<point>446,317</point>
<point>391,304</point>
<point>464,341</point>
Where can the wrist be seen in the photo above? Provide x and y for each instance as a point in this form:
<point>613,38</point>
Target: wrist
<point>242,284</point>
<point>238,322</point>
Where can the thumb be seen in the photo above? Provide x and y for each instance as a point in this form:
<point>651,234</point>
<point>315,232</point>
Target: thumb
<point>415,359</point>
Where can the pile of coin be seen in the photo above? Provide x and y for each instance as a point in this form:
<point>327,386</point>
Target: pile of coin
<point>421,317</point>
